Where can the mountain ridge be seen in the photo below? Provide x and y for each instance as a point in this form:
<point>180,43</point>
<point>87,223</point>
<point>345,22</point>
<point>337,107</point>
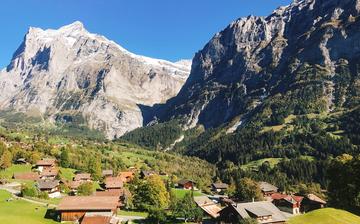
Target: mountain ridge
<point>70,74</point>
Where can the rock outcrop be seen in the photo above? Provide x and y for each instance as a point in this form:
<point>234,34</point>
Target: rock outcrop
<point>302,58</point>
<point>71,75</point>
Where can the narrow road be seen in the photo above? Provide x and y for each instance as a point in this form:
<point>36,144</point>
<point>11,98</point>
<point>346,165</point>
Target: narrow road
<point>10,188</point>
<point>124,218</point>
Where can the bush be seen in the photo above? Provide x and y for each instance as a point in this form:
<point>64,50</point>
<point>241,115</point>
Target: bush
<point>86,189</point>
<point>29,191</point>
<point>157,216</point>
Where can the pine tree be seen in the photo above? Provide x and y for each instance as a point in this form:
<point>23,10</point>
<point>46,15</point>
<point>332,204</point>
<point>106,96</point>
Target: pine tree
<point>6,159</point>
<point>64,158</point>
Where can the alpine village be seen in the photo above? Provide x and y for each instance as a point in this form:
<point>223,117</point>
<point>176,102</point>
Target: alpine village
<point>262,126</point>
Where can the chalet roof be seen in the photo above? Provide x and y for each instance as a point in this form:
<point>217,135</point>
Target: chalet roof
<point>88,203</point>
<point>82,176</point>
<point>97,218</point>
<point>207,205</point>
<point>147,172</point>
<point>203,200</point>
<point>315,198</point>
<point>258,211</point>
<point>113,182</point>
<point>46,162</point>
<point>266,187</point>
<point>107,172</point>
<point>220,185</point>
<point>47,184</point>
<point>26,176</point>
<point>112,192</point>
<point>260,208</point>
<point>53,172</point>
<point>290,198</point>
<point>185,181</point>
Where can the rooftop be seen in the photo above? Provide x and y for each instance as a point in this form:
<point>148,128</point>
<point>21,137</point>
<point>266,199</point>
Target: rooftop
<point>46,162</point>
<point>82,176</point>
<point>184,181</point>
<point>88,203</point>
<point>266,187</point>
<point>220,185</point>
<point>47,184</point>
<point>260,208</point>
<point>107,172</point>
<point>113,182</point>
<point>27,176</point>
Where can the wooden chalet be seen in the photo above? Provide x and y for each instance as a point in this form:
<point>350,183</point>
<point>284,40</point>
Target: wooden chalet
<point>263,211</point>
<point>74,208</point>
<point>113,183</point>
<point>267,189</point>
<point>186,184</point>
<point>107,173</point>
<point>52,187</point>
<point>287,203</point>
<point>45,164</point>
<point>208,206</point>
<point>146,173</point>
<point>312,202</point>
<point>99,218</point>
<point>83,177</point>
<point>219,187</point>
<point>49,173</point>
<point>26,176</point>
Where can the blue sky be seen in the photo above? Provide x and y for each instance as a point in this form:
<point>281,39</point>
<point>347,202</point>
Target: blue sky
<point>167,29</point>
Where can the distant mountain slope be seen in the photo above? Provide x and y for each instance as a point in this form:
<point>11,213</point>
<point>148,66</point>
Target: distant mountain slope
<point>303,58</point>
<point>71,75</point>
<point>267,87</point>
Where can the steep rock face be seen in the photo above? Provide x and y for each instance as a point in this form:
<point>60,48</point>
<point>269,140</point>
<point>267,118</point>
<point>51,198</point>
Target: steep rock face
<point>302,58</point>
<point>69,73</point>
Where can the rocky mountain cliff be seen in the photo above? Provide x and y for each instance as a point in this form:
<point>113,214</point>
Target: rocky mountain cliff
<point>303,58</point>
<point>71,75</point>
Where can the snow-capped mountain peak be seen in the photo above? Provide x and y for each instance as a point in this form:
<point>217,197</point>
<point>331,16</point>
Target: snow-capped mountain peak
<point>70,72</point>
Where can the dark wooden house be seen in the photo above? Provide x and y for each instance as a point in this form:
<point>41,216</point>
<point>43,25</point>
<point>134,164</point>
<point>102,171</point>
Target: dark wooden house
<point>74,208</point>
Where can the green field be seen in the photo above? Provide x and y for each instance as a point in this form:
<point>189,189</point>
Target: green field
<point>9,172</point>
<point>19,211</point>
<point>180,193</point>
<point>132,213</point>
<point>254,165</point>
<point>326,216</point>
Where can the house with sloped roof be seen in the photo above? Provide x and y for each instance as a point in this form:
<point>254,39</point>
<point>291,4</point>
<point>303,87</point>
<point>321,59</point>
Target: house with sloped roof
<point>26,176</point>
<point>312,202</point>
<point>187,184</point>
<point>107,173</point>
<point>99,218</point>
<point>82,177</point>
<point>49,173</point>
<point>287,203</point>
<point>45,164</point>
<point>267,189</point>
<point>51,187</point>
<point>113,183</point>
<point>263,211</point>
<point>209,207</point>
<point>74,208</point>
<point>219,187</point>
<point>126,176</point>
